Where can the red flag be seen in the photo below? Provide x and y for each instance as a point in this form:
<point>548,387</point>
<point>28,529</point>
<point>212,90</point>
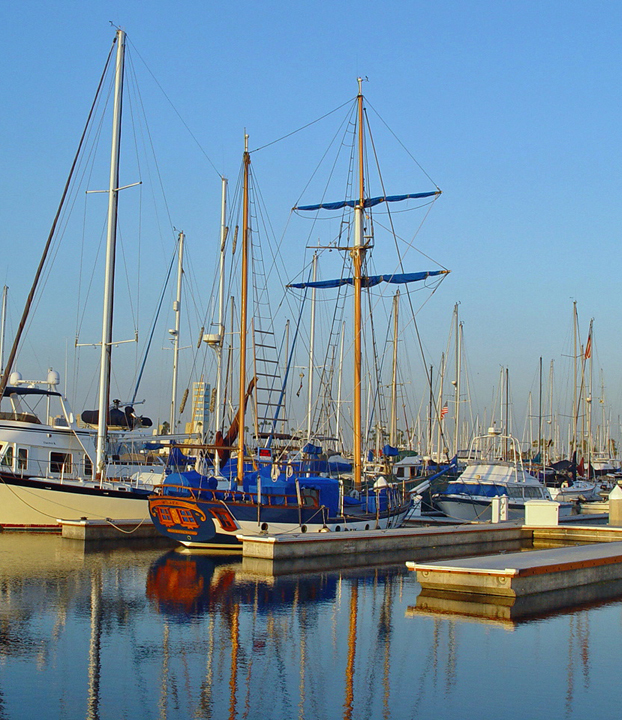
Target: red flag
<point>588,347</point>
<point>444,411</point>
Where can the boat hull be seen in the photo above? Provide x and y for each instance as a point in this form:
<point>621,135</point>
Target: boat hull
<point>215,522</point>
<point>39,504</point>
<point>579,491</point>
<point>474,509</point>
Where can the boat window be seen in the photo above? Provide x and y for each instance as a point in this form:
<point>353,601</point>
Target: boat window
<point>533,492</point>
<point>88,466</point>
<point>399,472</point>
<point>310,497</point>
<point>515,492</point>
<point>60,462</point>
<point>7,460</point>
<point>22,458</point>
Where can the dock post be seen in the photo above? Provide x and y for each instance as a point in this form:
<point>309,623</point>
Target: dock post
<point>499,508</point>
<point>615,506</point>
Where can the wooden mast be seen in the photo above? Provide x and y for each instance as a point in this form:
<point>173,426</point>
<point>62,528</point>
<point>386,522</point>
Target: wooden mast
<point>243,313</point>
<point>358,253</point>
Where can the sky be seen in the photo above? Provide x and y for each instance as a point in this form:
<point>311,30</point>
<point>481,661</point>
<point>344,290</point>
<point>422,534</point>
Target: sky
<point>513,110</point>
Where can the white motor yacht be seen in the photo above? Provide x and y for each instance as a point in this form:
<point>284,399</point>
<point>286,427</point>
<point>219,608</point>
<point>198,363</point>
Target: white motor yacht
<point>497,472</point>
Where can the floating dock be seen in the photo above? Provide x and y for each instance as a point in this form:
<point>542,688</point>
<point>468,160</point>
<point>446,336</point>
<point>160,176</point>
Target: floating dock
<point>447,541</point>
<point>108,529</point>
<point>526,573</point>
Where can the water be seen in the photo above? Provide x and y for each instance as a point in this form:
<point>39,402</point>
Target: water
<point>135,633</point>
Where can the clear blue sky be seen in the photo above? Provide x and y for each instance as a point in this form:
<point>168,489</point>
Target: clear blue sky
<point>514,109</point>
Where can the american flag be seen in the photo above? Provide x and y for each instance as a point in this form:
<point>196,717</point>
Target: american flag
<point>444,411</point>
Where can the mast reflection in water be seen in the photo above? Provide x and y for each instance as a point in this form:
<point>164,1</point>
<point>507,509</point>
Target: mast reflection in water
<point>140,633</point>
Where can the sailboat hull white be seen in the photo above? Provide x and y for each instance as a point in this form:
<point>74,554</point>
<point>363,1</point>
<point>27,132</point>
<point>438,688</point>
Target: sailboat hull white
<point>30,504</point>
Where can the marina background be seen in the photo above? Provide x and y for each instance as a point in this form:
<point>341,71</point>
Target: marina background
<point>513,111</point>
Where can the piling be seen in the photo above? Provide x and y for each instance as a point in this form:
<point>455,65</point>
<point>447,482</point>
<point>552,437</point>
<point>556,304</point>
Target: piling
<point>615,506</point>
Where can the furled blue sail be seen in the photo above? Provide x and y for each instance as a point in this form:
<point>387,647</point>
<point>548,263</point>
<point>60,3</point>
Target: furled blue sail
<point>390,451</point>
<point>369,202</point>
<point>372,280</point>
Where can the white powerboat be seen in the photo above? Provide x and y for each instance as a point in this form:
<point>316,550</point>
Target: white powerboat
<point>498,472</point>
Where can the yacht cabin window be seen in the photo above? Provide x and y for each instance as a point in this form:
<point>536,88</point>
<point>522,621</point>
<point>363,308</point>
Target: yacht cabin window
<point>7,460</point>
<point>60,462</point>
<point>22,458</point>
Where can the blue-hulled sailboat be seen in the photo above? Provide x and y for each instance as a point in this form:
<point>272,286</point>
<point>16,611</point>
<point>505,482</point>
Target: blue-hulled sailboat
<point>269,496</point>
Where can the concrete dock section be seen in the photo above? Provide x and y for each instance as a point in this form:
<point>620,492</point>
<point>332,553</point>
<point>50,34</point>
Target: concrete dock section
<point>453,541</point>
<point>107,529</point>
<point>524,573</point>
<point>424,542</point>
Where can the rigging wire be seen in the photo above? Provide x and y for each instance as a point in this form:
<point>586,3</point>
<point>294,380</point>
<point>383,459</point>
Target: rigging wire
<point>184,123</point>
<point>304,127</point>
<point>414,159</point>
<point>153,328</point>
<point>11,359</point>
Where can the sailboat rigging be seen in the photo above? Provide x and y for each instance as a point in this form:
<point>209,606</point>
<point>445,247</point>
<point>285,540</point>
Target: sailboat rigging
<point>52,467</point>
<point>291,494</point>
<point>360,280</point>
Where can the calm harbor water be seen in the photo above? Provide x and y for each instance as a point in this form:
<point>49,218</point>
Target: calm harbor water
<point>144,633</point>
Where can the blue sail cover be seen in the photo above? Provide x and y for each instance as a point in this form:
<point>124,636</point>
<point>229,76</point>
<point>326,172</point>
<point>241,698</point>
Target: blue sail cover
<point>372,280</point>
<point>369,202</point>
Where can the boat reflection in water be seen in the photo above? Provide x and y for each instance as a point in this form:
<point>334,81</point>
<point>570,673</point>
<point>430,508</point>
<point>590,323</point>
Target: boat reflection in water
<point>135,632</point>
<point>184,586</point>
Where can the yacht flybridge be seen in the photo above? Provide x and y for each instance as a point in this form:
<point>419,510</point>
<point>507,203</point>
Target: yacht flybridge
<point>47,468</point>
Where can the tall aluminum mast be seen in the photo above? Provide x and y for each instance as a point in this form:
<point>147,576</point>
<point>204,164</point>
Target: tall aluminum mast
<point>113,191</point>
<point>175,332</point>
